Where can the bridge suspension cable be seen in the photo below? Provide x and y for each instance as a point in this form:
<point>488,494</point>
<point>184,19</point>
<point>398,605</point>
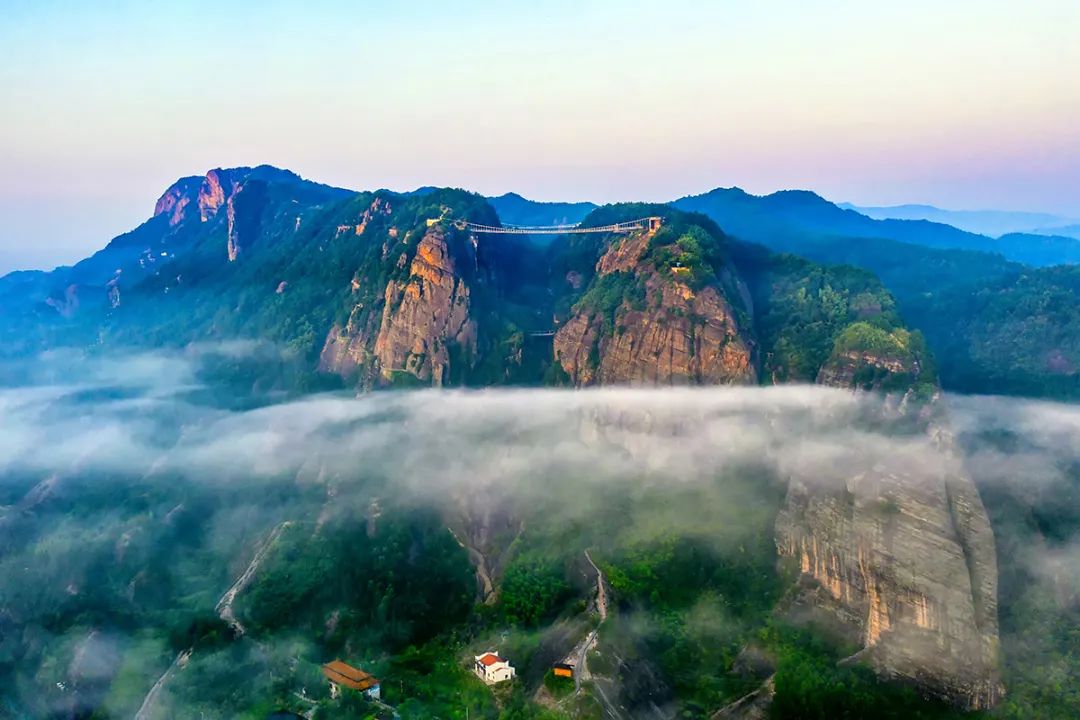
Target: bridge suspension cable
<point>649,223</point>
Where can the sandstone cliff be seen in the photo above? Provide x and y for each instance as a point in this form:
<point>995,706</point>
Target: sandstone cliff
<point>899,556</point>
<point>420,324</point>
<point>247,198</point>
<point>199,197</point>
<point>659,331</point>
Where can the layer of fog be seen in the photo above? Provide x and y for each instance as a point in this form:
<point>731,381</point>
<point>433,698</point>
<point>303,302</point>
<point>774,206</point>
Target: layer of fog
<point>138,416</point>
<point>147,418</point>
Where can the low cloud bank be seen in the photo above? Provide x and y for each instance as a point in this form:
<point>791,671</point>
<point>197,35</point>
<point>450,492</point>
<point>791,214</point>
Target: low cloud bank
<point>148,418</point>
<point>137,416</point>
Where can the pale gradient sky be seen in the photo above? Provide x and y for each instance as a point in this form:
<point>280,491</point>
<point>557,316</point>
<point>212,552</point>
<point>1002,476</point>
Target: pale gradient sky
<point>969,104</point>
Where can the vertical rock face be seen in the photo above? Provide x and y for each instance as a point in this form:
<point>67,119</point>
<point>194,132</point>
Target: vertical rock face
<point>425,323</point>
<point>907,563</point>
<point>216,190</point>
<point>675,335</point>
<point>176,199</point>
<point>900,555</point>
<point>426,313</point>
<point>244,213</point>
<point>206,194</point>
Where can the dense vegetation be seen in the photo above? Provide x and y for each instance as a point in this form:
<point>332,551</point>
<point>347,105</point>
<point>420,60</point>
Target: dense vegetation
<point>1037,530</point>
<point>107,577</point>
<point>993,325</point>
<point>128,570</point>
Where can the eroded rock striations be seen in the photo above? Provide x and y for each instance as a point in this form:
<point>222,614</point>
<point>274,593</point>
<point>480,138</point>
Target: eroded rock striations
<point>898,556</point>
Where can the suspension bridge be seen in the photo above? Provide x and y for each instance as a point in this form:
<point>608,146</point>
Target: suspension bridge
<point>649,223</point>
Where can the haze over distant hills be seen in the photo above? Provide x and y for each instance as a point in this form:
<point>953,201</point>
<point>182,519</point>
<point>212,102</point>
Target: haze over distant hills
<point>530,212</point>
<point>985,222</point>
<point>975,297</point>
<point>803,211</point>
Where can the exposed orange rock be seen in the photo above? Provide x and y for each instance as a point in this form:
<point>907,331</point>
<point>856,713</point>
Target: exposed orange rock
<point>425,313</point>
<point>379,206</point>
<point>907,560</point>
<point>422,316</point>
<point>681,337</point>
<point>840,369</point>
<point>212,194</point>
<point>624,253</point>
<point>175,201</point>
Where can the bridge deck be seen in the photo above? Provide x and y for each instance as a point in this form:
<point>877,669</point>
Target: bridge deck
<point>649,223</point>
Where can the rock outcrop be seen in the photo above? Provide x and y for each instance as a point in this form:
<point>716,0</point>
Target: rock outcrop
<point>244,194</point>
<point>674,336</point>
<point>175,200</point>
<point>844,368</point>
<point>203,196</point>
<point>425,321</point>
<point>427,313</point>
<point>899,556</point>
<point>244,210</point>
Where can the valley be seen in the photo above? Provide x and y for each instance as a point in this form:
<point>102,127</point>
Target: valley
<point>722,479</point>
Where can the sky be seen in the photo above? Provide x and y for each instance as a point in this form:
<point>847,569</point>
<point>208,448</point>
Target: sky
<point>970,104</point>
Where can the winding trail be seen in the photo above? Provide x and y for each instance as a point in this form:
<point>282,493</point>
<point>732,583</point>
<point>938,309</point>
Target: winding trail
<point>151,697</point>
<point>582,673</point>
<point>224,606</point>
<point>224,610</point>
<point>601,594</point>
<point>758,699</point>
<point>578,657</point>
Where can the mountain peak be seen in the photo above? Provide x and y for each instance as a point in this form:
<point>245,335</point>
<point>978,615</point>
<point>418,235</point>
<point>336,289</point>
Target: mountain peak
<point>801,196</point>
<point>209,192</point>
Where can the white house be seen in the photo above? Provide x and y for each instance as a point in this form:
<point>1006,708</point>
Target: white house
<point>493,669</point>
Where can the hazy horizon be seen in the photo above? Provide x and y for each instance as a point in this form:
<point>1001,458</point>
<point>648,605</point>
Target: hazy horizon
<point>970,106</point>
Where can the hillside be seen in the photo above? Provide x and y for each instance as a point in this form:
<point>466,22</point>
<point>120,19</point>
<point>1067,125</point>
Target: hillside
<point>213,217</point>
<point>781,214</point>
<point>743,539</point>
<point>384,289</point>
<point>994,326</point>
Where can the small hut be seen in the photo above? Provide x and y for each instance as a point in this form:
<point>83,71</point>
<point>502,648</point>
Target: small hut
<point>341,674</point>
<point>565,670</point>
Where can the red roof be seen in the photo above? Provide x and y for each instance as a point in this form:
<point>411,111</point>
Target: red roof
<point>490,659</point>
<point>343,674</point>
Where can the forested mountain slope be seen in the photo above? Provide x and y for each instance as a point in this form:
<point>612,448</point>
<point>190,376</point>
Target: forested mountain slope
<point>995,326</point>
<point>820,548</point>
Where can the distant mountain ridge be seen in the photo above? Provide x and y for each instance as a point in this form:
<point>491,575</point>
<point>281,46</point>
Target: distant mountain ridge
<point>993,223</point>
<point>513,209</point>
<point>802,211</point>
<point>1071,231</point>
<point>995,325</point>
